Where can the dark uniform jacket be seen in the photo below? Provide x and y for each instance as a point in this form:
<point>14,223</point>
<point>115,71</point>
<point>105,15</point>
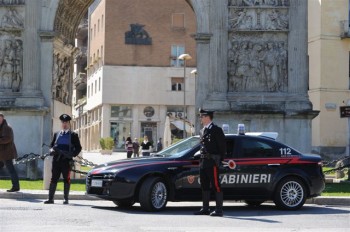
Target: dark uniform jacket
<point>213,144</point>
<point>75,143</point>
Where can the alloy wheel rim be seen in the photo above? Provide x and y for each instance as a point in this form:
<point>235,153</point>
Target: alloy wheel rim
<point>159,195</point>
<point>292,194</point>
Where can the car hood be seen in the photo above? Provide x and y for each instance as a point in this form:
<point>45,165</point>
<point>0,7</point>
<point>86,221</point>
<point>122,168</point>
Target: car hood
<point>116,166</point>
<point>311,157</point>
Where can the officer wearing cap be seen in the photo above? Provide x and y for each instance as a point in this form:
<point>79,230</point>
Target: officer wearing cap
<point>212,153</point>
<point>64,146</point>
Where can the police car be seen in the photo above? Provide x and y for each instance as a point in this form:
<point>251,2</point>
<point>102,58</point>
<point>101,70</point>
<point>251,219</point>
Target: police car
<point>256,169</point>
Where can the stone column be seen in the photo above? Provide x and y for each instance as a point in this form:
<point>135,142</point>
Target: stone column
<point>298,48</point>
<point>203,72</point>
<point>218,15</point>
<point>31,57</point>
<point>30,89</point>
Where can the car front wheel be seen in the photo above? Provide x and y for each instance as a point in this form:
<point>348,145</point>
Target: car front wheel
<point>153,195</point>
<point>290,194</point>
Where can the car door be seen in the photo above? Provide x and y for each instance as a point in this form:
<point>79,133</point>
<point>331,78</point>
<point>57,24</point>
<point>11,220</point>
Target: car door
<point>256,162</point>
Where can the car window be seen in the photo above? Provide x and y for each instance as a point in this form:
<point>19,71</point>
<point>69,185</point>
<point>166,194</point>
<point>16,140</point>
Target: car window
<point>180,148</point>
<point>230,145</point>
<point>255,148</point>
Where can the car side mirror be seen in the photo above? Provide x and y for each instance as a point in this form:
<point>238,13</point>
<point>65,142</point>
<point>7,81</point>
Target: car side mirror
<point>197,156</point>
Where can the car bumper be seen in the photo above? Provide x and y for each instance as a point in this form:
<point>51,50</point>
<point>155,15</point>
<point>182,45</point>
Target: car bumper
<point>111,189</point>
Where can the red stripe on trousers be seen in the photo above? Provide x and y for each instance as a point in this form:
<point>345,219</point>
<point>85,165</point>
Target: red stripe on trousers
<point>216,180</point>
<point>68,176</point>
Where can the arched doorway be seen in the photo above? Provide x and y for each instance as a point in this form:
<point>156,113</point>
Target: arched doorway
<point>65,25</point>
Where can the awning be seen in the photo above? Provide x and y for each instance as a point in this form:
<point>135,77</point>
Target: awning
<point>179,124</point>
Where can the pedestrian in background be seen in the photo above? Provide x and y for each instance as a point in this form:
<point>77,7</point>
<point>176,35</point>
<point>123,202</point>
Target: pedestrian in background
<point>146,147</point>
<point>136,147</point>
<point>8,152</point>
<point>159,145</point>
<point>129,147</point>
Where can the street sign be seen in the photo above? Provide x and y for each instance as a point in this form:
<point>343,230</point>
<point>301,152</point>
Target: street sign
<point>345,111</point>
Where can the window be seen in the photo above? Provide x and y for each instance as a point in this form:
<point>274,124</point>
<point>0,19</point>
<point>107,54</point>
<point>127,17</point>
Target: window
<point>178,20</point>
<point>230,145</point>
<point>119,131</point>
<point>88,91</point>
<point>98,26</point>
<point>121,111</point>
<point>98,53</point>
<point>91,34</point>
<point>95,30</point>
<point>177,83</point>
<point>99,84</point>
<point>95,86</point>
<point>176,51</point>
<point>101,52</point>
<point>102,21</point>
<point>92,89</point>
<point>255,148</point>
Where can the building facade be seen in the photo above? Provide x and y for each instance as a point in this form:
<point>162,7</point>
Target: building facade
<point>134,76</point>
<point>329,46</point>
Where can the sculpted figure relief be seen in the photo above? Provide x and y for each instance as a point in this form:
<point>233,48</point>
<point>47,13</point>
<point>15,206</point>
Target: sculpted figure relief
<point>12,20</point>
<point>11,68</point>
<point>258,19</point>
<point>258,66</point>
<point>61,78</point>
<point>11,2</point>
<point>253,3</point>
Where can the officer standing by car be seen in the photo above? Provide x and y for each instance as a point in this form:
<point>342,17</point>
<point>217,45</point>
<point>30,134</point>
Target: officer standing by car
<point>212,153</point>
<point>64,146</point>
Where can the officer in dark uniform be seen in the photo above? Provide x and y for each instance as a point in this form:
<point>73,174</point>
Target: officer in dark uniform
<point>212,153</point>
<point>64,146</point>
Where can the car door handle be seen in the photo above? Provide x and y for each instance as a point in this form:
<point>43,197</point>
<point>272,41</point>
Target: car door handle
<point>273,165</point>
<point>172,168</point>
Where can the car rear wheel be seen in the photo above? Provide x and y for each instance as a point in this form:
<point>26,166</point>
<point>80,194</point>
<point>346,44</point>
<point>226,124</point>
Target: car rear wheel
<point>290,194</point>
<point>124,203</point>
<point>253,203</point>
<point>153,195</point>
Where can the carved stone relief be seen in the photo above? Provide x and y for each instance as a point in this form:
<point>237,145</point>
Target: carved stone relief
<point>12,20</point>
<point>12,2</point>
<point>11,63</point>
<point>61,78</point>
<point>137,35</point>
<point>259,65</point>
<point>258,19</point>
<point>261,3</point>
<point>258,51</point>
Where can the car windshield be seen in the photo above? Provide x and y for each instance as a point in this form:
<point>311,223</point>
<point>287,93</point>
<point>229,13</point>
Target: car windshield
<point>180,148</point>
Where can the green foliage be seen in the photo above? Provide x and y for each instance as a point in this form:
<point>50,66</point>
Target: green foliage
<point>107,143</point>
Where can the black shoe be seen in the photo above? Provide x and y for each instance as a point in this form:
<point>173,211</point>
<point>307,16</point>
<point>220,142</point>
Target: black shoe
<point>49,202</point>
<point>65,202</point>
<point>12,190</point>
<point>217,214</point>
<point>202,212</point>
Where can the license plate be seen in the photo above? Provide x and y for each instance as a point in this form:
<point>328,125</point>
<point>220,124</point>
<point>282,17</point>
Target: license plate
<point>96,183</point>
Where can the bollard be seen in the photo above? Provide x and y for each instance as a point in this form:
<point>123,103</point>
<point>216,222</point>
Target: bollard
<point>32,169</point>
<point>47,172</point>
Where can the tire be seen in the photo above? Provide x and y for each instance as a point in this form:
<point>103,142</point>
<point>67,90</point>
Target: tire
<point>124,203</point>
<point>290,194</point>
<point>153,195</point>
<point>253,203</point>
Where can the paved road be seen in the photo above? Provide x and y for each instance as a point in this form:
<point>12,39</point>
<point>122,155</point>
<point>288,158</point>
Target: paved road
<point>33,215</point>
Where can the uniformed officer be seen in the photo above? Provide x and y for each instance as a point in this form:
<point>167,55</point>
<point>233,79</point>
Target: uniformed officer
<point>64,146</point>
<point>212,152</point>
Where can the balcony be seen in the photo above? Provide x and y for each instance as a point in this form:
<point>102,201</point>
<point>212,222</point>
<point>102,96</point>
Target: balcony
<point>344,29</point>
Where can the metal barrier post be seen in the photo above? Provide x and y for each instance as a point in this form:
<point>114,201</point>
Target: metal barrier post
<point>47,172</point>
